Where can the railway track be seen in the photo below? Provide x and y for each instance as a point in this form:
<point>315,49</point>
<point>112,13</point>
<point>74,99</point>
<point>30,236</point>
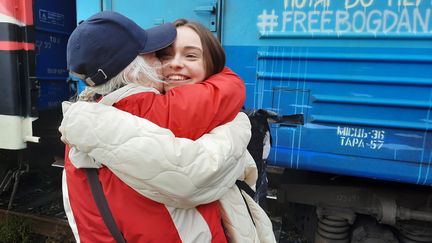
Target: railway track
<point>51,229</point>
<point>35,209</point>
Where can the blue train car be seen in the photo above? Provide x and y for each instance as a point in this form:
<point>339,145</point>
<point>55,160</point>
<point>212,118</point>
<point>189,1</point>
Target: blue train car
<point>359,72</point>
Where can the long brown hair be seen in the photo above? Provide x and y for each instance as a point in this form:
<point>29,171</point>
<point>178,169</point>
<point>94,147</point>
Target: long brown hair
<point>213,53</point>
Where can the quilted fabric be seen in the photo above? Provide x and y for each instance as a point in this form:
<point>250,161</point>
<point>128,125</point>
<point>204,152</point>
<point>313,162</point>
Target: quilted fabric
<point>237,220</point>
<point>178,172</point>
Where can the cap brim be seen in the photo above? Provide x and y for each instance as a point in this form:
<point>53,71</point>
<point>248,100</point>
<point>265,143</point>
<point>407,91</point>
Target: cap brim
<point>159,37</point>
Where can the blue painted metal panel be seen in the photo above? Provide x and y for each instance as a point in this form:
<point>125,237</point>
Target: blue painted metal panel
<point>54,21</point>
<point>362,106</point>
<point>86,8</point>
<point>301,22</point>
<point>55,16</point>
<point>243,60</point>
<point>360,72</point>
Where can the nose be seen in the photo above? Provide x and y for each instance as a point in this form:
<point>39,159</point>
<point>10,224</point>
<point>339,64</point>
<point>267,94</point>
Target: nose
<point>176,63</point>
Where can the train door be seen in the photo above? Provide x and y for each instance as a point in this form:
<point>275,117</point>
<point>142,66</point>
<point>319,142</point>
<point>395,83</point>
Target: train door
<point>151,13</point>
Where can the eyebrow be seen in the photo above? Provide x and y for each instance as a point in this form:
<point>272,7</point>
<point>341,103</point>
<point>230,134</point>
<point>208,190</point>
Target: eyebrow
<point>193,48</point>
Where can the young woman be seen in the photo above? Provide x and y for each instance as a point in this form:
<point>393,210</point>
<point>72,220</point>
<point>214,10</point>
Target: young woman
<point>188,111</point>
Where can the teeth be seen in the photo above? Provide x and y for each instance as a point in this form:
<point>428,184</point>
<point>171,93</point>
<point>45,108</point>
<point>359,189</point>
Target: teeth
<point>176,77</point>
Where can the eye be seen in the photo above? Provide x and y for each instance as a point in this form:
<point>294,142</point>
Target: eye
<point>165,57</point>
<point>192,56</point>
<point>165,54</point>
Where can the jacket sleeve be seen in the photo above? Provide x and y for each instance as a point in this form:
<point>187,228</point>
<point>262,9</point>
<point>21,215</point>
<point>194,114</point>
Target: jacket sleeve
<point>190,111</point>
<point>178,172</point>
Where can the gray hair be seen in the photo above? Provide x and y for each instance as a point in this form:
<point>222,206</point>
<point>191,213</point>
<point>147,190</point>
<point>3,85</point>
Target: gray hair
<point>138,71</point>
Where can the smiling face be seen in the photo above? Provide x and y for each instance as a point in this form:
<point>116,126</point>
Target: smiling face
<point>183,62</point>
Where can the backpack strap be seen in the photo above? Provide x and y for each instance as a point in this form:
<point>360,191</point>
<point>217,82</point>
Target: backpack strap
<point>102,204</point>
<point>243,186</point>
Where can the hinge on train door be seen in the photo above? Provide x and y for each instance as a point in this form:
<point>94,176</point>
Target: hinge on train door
<point>210,9</point>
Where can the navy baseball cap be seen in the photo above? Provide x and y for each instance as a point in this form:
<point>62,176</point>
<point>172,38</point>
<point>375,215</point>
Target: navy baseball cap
<point>107,42</point>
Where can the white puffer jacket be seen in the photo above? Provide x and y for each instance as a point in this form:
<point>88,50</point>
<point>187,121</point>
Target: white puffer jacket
<point>174,171</point>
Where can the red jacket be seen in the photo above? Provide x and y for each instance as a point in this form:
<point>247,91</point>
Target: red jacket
<point>189,111</point>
